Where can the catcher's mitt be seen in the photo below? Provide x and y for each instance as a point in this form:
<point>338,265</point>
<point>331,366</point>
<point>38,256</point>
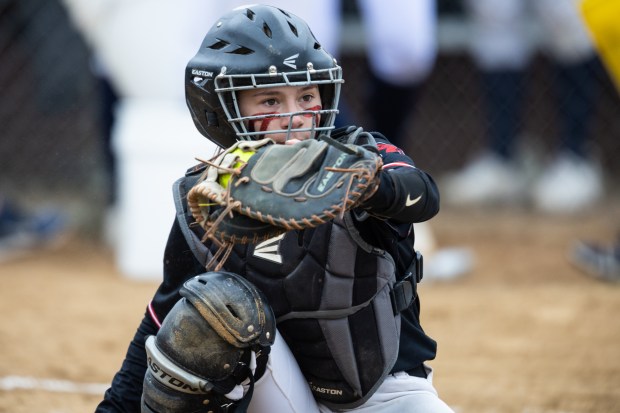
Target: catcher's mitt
<point>264,189</point>
<point>213,213</point>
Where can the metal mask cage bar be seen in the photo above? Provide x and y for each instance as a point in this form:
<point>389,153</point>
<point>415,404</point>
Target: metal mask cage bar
<point>224,84</point>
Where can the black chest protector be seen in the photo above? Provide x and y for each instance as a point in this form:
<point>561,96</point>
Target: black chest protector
<point>335,297</point>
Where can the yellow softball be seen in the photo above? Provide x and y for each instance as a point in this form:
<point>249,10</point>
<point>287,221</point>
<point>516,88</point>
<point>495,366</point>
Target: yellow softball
<point>242,156</point>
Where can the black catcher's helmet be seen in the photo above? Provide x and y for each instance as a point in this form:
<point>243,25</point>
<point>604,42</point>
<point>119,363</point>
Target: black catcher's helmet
<point>255,47</point>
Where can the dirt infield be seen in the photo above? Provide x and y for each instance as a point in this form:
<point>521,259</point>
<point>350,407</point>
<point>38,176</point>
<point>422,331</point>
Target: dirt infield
<point>523,333</point>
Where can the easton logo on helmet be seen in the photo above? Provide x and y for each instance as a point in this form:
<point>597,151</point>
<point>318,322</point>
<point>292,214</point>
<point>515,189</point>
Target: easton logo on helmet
<point>204,73</point>
<point>290,61</point>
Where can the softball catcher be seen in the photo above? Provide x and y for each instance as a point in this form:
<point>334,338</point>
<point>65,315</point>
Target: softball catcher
<point>294,225</point>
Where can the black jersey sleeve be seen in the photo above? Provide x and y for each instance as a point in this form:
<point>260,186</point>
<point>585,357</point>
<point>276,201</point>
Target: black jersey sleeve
<point>406,194</point>
<point>124,394</point>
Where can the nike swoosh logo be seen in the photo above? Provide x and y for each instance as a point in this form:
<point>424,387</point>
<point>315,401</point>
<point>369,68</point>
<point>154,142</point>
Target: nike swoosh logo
<point>409,201</point>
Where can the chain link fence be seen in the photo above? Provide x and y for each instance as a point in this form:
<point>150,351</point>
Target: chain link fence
<point>51,143</point>
<point>53,135</point>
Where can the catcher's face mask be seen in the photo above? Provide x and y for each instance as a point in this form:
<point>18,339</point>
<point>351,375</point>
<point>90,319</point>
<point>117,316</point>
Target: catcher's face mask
<point>263,123</point>
<point>251,48</point>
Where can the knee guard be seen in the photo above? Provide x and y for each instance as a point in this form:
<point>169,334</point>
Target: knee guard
<point>204,346</point>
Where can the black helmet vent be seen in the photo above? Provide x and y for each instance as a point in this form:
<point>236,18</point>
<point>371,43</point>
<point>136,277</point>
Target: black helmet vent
<point>284,13</point>
<point>242,51</point>
<point>220,44</point>
<point>293,29</point>
<point>267,30</point>
<point>250,14</point>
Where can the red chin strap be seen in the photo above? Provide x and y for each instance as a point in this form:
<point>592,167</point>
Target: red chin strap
<point>264,123</point>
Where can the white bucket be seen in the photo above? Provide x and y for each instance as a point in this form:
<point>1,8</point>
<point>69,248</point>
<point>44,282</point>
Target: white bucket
<point>155,143</point>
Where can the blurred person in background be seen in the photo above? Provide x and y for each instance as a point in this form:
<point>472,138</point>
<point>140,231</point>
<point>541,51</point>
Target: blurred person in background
<point>30,32</point>
<point>597,259</point>
<point>401,48</point>
<point>502,49</point>
<point>401,44</point>
<point>107,103</point>
<point>24,232</point>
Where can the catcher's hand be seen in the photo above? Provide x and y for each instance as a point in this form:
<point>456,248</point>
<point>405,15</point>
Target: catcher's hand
<point>281,187</point>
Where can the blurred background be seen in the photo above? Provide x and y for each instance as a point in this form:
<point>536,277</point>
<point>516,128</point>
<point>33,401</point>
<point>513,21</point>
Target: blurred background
<point>94,130</point>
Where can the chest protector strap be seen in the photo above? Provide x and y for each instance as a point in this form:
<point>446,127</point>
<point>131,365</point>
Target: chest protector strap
<point>180,189</point>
